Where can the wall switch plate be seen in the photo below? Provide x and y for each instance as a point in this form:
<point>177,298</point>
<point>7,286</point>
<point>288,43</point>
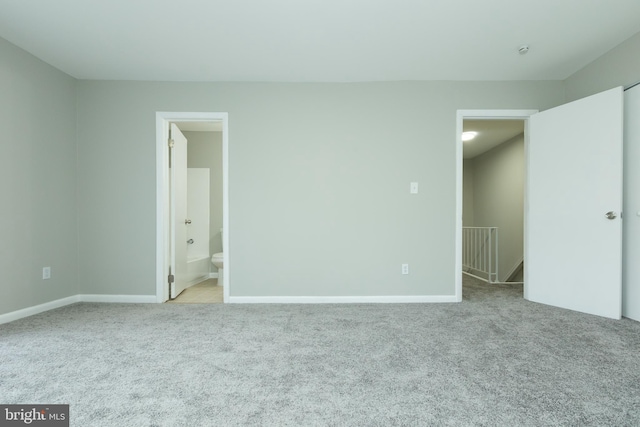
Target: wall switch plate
<point>405,268</point>
<point>46,273</point>
<point>413,188</point>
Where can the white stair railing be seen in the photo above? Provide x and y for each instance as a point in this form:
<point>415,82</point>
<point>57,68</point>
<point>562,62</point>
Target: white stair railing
<point>480,252</point>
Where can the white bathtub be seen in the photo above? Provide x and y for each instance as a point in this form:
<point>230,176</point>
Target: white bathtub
<point>197,269</point>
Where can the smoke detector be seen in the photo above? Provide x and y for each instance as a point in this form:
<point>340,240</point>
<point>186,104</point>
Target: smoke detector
<point>523,49</point>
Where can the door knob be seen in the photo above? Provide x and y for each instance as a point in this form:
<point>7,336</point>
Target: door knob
<point>610,215</point>
<point>190,241</point>
<point>187,221</point>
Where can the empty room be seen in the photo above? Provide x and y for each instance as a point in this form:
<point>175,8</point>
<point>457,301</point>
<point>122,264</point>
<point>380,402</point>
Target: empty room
<point>302,165</point>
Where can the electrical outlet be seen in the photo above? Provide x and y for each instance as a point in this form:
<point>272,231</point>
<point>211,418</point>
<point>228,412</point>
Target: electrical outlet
<point>46,273</point>
<point>413,188</point>
<point>405,268</point>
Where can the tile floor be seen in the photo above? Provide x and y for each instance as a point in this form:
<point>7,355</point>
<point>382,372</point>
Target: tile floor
<point>207,292</point>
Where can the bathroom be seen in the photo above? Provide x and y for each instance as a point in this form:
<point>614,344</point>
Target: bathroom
<point>204,211</point>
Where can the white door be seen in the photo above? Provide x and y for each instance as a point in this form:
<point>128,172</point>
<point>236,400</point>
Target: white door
<point>178,195</point>
<point>631,222</point>
<point>573,246</point>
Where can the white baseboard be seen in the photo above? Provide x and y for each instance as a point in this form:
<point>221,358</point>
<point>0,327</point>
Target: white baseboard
<point>37,309</point>
<point>146,299</point>
<point>135,299</point>
<point>41,308</point>
<point>391,299</point>
<point>213,275</point>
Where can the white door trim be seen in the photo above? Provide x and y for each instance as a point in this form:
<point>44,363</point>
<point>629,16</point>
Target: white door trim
<point>482,115</point>
<point>162,195</point>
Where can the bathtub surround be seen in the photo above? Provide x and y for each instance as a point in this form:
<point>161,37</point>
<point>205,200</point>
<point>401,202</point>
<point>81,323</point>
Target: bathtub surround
<point>494,359</point>
<point>198,270</point>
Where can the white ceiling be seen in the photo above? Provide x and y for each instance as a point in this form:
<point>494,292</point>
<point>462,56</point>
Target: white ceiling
<point>318,40</point>
<point>491,133</point>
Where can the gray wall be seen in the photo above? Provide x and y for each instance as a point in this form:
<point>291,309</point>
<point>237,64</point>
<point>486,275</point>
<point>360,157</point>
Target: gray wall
<point>204,150</point>
<point>38,219</point>
<point>467,192</point>
<point>618,67</point>
<point>319,177</point>
<point>498,199</point>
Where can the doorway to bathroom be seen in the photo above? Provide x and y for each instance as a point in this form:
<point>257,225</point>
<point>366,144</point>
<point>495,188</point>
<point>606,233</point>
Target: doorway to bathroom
<point>192,207</point>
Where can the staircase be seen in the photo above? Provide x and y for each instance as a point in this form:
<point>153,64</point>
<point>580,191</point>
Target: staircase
<point>518,273</point>
<point>480,252</point>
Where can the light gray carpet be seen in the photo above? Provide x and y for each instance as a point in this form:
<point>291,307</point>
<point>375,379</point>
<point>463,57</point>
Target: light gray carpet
<point>494,359</point>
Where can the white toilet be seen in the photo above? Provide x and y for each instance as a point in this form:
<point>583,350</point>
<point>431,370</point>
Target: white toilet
<point>218,261</point>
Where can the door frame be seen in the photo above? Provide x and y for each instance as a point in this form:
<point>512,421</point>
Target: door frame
<point>461,115</point>
<point>163,201</point>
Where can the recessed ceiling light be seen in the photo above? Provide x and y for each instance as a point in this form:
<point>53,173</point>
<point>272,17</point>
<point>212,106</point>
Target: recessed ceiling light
<point>468,136</point>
